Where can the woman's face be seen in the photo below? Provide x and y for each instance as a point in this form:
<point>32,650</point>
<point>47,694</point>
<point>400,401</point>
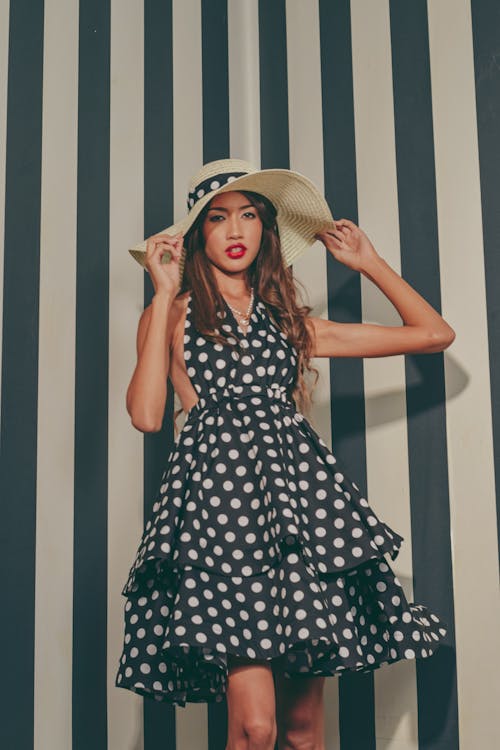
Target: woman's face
<point>232,230</point>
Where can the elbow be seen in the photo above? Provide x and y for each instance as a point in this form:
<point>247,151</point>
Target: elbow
<point>145,426</point>
<point>143,417</point>
<point>451,338</point>
<point>144,422</point>
<point>441,341</point>
<point>146,406</point>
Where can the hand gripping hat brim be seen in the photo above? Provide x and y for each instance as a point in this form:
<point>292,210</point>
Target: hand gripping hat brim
<point>301,209</point>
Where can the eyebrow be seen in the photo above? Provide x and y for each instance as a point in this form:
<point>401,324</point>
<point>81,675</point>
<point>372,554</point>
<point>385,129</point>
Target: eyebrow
<point>220,208</point>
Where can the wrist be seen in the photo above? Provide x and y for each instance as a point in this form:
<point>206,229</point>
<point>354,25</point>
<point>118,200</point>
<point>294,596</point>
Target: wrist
<point>372,264</point>
<point>162,298</point>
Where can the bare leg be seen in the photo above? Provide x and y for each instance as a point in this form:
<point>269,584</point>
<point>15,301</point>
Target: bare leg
<point>300,712</point>
<point>250,705</point>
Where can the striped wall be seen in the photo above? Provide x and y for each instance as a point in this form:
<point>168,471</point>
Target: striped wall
<point>106,109</point>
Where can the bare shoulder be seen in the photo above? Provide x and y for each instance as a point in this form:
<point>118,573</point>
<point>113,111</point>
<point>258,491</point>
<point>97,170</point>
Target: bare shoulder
<point>310,323</point>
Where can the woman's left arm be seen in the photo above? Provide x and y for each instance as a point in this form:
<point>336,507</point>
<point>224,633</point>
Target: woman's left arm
<point>424,330</point>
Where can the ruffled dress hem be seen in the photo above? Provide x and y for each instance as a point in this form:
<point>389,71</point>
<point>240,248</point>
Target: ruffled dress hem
<point>362,621</point>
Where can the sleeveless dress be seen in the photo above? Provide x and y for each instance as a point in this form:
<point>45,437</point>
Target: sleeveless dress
<point>259,544</point>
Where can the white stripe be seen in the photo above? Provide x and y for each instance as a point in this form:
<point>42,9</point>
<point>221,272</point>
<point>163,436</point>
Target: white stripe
<point>468,413</point>
<point>125,444</point>
<point>385,405</point>
<point>244,91</point>
<point>188,99</point>
<point>4,59</point>
<point>56,379</point>
<point>306,157</point>
<point>191,721</point>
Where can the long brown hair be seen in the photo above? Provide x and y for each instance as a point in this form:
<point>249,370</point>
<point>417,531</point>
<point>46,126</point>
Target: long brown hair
<point>272,281</point>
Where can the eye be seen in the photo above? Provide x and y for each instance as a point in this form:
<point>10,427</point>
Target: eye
<point>251,214</point>
<point>215,217</point>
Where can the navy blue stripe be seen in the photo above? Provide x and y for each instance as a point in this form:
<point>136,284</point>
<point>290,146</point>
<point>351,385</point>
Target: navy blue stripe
<point>356,692</point>
<point>216,145</point>
<point>214,45</point>
<point>274,138</point>
<point>159,720</point>
<point>486,33</point>
<point>425,390</point>
<point>20,371</point>
<point>91,382</point>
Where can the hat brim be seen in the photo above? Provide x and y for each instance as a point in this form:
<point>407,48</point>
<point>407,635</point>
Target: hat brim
<point>302,211</point>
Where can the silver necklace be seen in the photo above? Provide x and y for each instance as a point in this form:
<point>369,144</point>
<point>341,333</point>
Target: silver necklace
<point>245,317</point>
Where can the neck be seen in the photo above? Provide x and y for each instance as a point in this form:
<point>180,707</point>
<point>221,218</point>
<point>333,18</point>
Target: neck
<point>234,286</point>
<point>235,291</point>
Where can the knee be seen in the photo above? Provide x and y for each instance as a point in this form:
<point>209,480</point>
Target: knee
<point>261,733</point>
<point>300,730</point>
<point>301,719</point>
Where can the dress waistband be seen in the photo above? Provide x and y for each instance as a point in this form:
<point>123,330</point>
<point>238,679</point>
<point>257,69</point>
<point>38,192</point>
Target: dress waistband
<point>214,399</point>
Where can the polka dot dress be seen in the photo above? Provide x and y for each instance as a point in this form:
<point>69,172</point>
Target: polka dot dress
<point>259,544</point>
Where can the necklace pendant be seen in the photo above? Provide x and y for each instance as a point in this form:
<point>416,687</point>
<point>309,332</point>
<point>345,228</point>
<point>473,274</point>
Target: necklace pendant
<point>243,318</point>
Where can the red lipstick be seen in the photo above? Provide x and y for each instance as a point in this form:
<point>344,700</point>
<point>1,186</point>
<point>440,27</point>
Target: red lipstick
<point>236,251</point>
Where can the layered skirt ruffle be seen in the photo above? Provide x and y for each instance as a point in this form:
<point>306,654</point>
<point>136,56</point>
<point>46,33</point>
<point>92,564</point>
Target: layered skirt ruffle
<point>303,581</point>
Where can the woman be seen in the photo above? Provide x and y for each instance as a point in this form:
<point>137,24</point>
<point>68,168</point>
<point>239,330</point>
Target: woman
<point>262,568</point>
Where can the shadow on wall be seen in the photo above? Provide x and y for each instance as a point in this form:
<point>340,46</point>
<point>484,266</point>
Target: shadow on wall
<point>390,405</point>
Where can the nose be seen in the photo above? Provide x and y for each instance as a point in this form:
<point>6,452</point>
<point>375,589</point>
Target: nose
<point>233,226</point>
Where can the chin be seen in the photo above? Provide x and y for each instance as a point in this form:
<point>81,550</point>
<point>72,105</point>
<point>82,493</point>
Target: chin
<point>240,263</point>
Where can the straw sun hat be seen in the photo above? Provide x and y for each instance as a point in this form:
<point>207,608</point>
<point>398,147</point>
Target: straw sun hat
<point>301,209</point>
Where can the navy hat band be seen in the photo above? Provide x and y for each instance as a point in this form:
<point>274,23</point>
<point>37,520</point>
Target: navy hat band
<point>213,183</point>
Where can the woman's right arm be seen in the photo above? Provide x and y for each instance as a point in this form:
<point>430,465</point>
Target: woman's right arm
<point>147,391</point>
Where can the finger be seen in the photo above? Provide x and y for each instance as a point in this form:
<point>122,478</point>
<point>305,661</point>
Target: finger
<point>343,227</point>
<point>161,246</point>
<point>326,234</point>
<point>155,242</point>
<point>173,239</point>
<point>331,237</point>
<point>337,235</point>
<point>179,241</point>
<point>174,252</point>
<point>348,223</point>
<point>331,226</point>
<point>163,239</point>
